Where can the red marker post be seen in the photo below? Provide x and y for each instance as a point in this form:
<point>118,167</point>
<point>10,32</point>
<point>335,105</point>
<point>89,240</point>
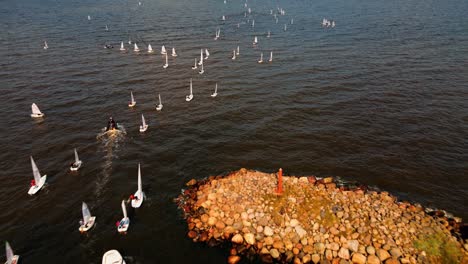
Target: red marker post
<point>279,188</point>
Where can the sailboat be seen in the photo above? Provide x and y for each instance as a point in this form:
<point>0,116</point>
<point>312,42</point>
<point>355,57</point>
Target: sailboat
<point>143,126</point>
<point>77,164</point>
<point>261,58</point>
<point>253,22</point>
<point>276,20</point>
<point>150,49</point>
<point>174,54</point>
<point>271,57</point>
<point>217,34</point>
<point>201,58</point>
<point>88,221</point>
<point>166,64</point>
<point>285,27</point>
<point>112,257</point>
<point>124,223</point>
<point>139,194</point>
<point>38,181</point>
<point>45,45</point>
<point>292,21</point>
<point>223,18</point>
<point>195,65</point>
<point>122,48</point>
<point>107,28</point>
<point>163,50</point>
<point>269,34</point>
<point>89,17</point>
<point>160,106</point>
<point>202,70</point>
<point>207,54</point>
<point>136,49</point>
<point>36,113</point>
<point>233,54</point>
<point>129,41</point>
<point>11,257</point>
<point>255,40</point>
<point>216,91</point>
<point>237,51</point>
<point>132,100</point>
<point>333,24</point>
<point>189,97</point>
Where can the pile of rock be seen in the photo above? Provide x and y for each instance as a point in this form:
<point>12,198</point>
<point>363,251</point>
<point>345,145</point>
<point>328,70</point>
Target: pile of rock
<point>312,221</point>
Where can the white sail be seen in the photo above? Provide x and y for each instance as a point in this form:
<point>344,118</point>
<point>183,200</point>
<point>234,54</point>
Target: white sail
<point>167,64</point>
<point>140,189</point>
<point>132,99</point>
<point>163,50</point>
<point>122,46</point>
<point>285,27</point>
<point>269,34</point>
<point>201,57</point>
<point>174,54</point>
<point>89,17</point>
<point>223,18</point>
<point>216,88</point>
<point>237,52</point>
<point>150,49</point>
<point>35,109</point>
<point>195,65</point>
<point>255,40</point>
<point>233,54</point>
<point>45,45</point>
<point>107,28</point>
<point>124,209</point>
<point>76,156</point>
<point>36,173</point>
<point>261,58</point>
<point>9,253</point>
<point>160,103</point>
<point>86,213</point>
<point>136,48</point>
<point>207,54</point>
<point>191,86</point>
<point>143,122</point>
<point>271,56</point>
<point>253,22</point>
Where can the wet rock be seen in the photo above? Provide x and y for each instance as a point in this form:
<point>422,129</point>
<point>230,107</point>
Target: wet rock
<point>359,258</point>
<point>237,239</point>
<point>382,254</point>
<point>192,234</point>
<point>343,253</point>
<point>191,182</point>
<point>233,259</point>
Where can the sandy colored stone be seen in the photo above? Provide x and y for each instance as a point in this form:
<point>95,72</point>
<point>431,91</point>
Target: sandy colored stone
<point>237,239</point>
<point>382,254</point>
<point>274,253</point>
<point>372,259</point>
<point>267,231</point>
<point>233,259</point>
<point>315,258</point>
<point>358,258</point>
<point>249,238</point>
<point>343,253</point>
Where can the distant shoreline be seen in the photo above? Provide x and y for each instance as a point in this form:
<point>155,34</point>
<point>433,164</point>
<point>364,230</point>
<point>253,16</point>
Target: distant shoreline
<point>314,221</point>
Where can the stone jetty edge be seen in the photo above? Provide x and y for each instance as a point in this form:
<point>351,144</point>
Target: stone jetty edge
<point>313,220</point>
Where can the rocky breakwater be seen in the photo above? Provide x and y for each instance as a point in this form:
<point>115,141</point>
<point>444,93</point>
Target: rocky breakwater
<point>314,221</point>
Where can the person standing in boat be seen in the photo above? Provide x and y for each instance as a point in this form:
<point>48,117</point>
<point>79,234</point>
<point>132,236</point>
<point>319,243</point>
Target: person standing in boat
<point>111,125</point>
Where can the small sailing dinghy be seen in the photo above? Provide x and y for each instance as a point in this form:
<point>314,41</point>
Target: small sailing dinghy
<point>139,195</point>
<point>233,54</point>
<point>255,41</point>
<point>271,57</point>
<point>174,54</point>
<point>143,126</point>
<point>136,49</point>
<point>124,223</point>
<point>88,221</point>
<point>45,45</point>
<point>189,97</point>
<point>112,257</point>
<point>36,113</point>
<point>77,164</point>
<point>160,106</point>
<point>216,91</point>
<point>122,48</point>
<point>195,65</point>
<point>10,256</point>
<point>107,28</point>
<point>207,54</point>
<point>261,58</point>
<point>223,18</point>
<point>285,27</point>
<point>202,70</point>
<point>38,181</point>
<point>89,17</point>
<point>269,34</point>
<point>163,50</point>
<point>150,49</point>
<point>132,100</point>
<point>201,58</point>
<point>166,64</point>
<point>237,51</point>
<point>253,23</point>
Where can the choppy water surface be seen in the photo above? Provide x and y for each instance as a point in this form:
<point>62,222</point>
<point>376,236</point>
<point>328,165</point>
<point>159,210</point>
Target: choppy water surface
<point>381,99</point>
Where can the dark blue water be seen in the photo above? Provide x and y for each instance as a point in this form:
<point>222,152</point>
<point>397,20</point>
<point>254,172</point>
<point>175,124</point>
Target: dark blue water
<point>382,98</point>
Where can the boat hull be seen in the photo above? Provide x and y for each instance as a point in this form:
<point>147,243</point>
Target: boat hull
<point>34,189</point>
<point>112,257</point>
<point>85,228</point>
<point>136,203</point>
<point>143,128</point>
<point>132,104</point>
<point>123,225</point>
<point>37,115</point>
<point>76,166</point>
<point>188,98</point>
<point>159,107</point>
